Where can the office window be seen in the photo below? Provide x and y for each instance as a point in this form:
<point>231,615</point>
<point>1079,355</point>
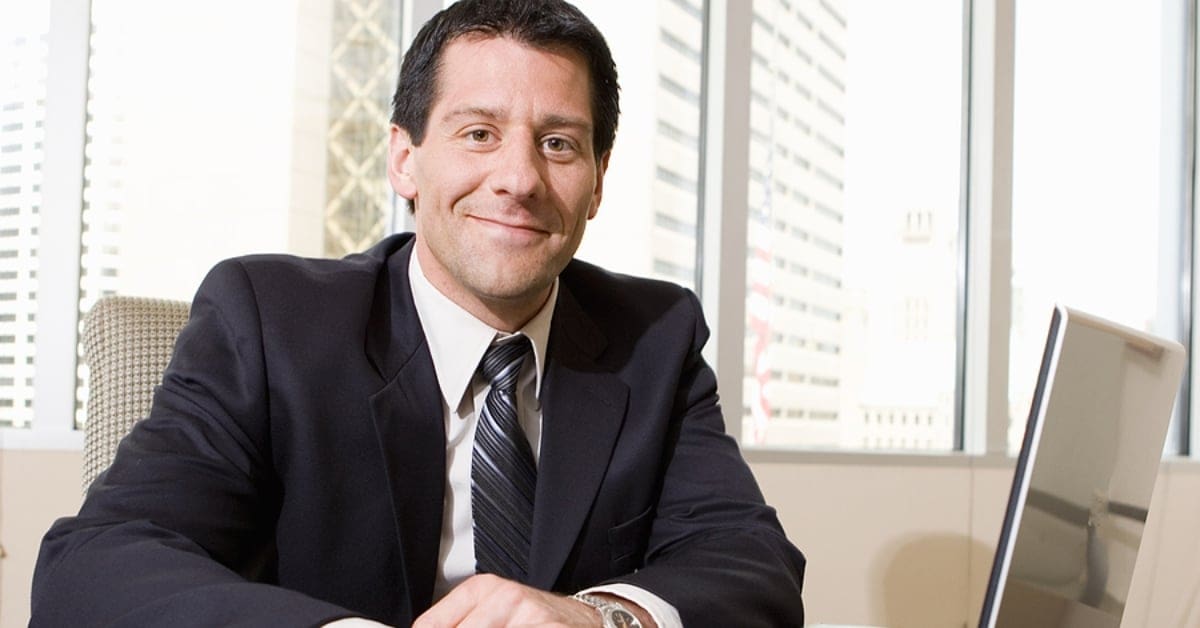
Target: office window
<point>1091,219</point>
<point>855,151</point>
<point>23,51</point>
<point>271,141</point>
<point>647,224</point>
<point>196,152</point>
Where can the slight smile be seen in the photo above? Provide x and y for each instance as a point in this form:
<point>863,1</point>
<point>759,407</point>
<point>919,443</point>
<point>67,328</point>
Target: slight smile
<point>510,227</point>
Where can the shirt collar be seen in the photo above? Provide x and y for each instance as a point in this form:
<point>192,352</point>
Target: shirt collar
<point>457,340</point>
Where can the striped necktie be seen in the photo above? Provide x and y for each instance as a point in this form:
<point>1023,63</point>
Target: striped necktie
<point>503,474</point>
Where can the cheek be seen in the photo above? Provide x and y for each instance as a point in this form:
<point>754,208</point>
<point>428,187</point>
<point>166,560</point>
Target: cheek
<point>444,176</point>
<point>579,199</point>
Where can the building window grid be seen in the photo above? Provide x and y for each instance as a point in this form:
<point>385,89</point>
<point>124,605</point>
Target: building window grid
<point>678,89</point>
<point>689,8</point>
<point>21,150</point>
<point>688,140</point>
<point>364,60</point>
<point>678,45</point>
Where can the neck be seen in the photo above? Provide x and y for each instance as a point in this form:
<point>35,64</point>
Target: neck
<point>500,313</point>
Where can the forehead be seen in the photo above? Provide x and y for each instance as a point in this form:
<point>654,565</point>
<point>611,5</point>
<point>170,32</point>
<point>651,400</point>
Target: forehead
<point>499,70</point>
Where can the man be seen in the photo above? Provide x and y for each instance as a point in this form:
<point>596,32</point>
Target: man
<point>323,447</point>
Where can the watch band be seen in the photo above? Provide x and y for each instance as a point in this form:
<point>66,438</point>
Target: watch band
<point>612,614</point>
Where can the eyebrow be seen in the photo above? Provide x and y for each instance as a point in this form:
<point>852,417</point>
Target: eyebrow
<point>564,121</point>
<point>472,112</point>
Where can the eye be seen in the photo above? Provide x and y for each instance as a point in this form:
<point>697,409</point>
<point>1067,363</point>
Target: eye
<point>558,145</point>
<point>479,135</point>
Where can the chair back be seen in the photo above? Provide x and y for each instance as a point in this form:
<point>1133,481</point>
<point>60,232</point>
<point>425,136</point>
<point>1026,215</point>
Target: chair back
<point>127,342</point>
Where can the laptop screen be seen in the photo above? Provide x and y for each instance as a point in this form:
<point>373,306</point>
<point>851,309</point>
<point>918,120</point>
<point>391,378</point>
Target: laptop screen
<point>1084,477</point>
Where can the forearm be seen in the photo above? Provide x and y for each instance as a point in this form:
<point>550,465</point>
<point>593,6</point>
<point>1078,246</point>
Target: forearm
<point>717,552</point>
<point>748,579</point>
<point>137,574</point>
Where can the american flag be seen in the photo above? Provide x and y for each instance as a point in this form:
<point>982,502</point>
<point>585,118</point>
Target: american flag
<point>760,267</point>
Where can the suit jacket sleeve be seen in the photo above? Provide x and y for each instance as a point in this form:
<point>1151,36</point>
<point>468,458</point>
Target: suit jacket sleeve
<point>179,530</point>
<point>716,551</point>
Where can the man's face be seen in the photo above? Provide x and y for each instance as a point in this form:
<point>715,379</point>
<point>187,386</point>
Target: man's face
<point>505,179</point>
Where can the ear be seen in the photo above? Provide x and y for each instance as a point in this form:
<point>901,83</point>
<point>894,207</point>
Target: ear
<point>598,192</point>
<point>400,163</point>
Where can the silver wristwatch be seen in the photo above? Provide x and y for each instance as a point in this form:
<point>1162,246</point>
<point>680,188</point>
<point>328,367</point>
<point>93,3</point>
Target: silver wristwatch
<point>613,614</point>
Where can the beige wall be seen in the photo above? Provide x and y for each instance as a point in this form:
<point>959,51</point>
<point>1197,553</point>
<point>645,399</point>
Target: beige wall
<point>910,545</point>
<point>895,541</point>
<point>36,487</point>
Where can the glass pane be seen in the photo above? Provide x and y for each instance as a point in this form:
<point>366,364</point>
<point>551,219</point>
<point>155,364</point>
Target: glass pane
<point>270,141</point>
<point>23,29</point>
<point>647,220</point>
<point>855,141</point>
<point>1087,203</point>
<point>365,61</point>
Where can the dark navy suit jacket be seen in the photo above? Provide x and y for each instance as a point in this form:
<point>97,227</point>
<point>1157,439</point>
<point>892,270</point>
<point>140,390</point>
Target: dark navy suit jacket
<point>292,468</point>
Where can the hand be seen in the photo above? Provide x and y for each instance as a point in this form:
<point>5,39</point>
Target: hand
<point>493,602</point>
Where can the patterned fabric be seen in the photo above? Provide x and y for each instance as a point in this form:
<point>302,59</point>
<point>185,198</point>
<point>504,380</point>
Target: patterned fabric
<point>503,475</point>
<point>127,342</point>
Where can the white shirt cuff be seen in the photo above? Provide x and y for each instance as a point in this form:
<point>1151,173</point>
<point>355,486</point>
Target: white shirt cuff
<point>660,611</point>
<point>354,622</point>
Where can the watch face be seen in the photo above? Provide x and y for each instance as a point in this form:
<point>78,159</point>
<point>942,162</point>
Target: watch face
<point>622,618</point>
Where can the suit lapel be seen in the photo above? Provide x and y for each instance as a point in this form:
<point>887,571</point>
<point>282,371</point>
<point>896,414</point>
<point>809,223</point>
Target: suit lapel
<point>408,419</point>
<point>583,408</point>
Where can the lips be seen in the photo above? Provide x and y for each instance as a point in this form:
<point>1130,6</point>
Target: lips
<point>505,233</point>
<point>507,224</point>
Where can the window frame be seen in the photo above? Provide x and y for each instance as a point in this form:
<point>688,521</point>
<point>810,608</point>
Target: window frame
<point>1185,13</point>
<point>984,252</point>
<point>984,305</point>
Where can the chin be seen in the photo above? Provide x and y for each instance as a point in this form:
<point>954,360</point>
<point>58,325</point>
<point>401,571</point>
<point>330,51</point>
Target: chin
<point>518,286</point>
<point>517,293</point>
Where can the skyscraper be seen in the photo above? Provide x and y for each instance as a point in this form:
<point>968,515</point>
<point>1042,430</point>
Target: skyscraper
<point>796,302</point>
<point>23,63</point>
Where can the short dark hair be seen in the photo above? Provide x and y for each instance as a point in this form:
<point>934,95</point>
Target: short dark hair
<point>538,23</point>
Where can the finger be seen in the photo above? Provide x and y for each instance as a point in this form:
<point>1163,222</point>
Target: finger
<point>452,609</point>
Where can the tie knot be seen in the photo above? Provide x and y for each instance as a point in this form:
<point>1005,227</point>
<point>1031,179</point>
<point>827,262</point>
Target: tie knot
<point>502,362</point>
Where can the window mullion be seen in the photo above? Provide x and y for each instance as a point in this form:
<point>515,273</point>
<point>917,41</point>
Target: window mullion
<point>59,217</point>
<point>989,242</point>
<point>1188,438</point>
<point>726,176</point>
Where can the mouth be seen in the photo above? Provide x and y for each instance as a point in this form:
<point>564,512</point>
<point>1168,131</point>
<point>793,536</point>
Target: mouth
<point>512,227</point>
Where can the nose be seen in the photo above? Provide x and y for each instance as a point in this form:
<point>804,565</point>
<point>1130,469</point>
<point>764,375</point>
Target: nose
<point>518,171</point>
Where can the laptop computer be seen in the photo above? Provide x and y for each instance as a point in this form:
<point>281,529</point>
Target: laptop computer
<point>1081,493</point>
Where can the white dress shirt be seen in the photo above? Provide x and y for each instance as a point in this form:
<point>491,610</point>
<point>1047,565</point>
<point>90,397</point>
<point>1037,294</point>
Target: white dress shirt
<point>457,341</point>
